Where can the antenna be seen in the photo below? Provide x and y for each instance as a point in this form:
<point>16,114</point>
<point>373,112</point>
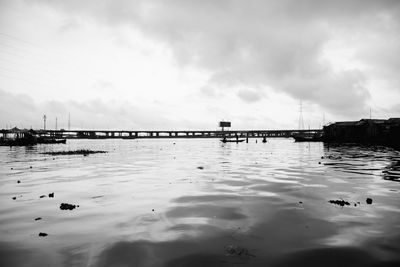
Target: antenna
<point>44,122</point>
<point>56,123</point>
<point>301,120</point>
<point>370,113</point>
<point>69,121</point>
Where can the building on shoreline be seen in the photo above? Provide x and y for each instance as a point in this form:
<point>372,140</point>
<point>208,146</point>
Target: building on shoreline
<point>366,131</point>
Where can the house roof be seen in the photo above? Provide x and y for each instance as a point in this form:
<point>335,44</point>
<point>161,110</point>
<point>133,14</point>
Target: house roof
<point>377,121</point>
<point>345,123</point>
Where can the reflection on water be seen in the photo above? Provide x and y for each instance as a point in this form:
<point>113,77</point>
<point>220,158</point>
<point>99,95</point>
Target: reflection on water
<point>147,203</point>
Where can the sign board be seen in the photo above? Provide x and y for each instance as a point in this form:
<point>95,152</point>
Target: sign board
<point>224,124</point>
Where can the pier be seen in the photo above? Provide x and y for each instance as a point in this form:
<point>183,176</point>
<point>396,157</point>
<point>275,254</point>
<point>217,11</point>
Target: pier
<point>136,134</point>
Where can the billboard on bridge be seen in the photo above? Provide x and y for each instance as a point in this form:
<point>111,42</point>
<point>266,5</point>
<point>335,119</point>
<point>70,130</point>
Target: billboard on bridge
<point>224,124</point>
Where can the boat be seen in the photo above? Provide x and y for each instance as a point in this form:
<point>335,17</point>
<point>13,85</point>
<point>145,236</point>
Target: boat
<point>236,140</point>
<point>17,137</point>
<point>44,140</point>
<point>24,137</point>
<point>308,137</point>
<point>232,141</point>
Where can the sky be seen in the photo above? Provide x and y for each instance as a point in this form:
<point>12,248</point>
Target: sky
<point>188,64</point>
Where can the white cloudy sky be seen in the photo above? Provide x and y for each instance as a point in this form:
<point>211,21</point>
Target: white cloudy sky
<point>186,64</point>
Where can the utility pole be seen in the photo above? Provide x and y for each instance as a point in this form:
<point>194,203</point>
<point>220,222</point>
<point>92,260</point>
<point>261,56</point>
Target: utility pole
<point>69,121</point>
<point>370,113</point>
<point>301,120</point>
<point>56,123</point>
<point>44,122</point>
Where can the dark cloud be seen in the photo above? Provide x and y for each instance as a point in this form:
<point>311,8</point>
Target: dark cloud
<point>93,114</point>
<point>17,108</point>
<point>260,44</point>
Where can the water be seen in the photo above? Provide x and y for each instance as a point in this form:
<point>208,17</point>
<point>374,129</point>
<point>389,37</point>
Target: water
<point>182,202</point>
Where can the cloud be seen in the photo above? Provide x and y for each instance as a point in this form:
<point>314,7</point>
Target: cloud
<point>258,43</point>
<point>92,114</point>
<point>249,96</point>
<point>16,107</point>
<point>267,44</point>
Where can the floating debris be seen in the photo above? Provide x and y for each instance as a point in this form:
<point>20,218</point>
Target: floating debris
<point>340,202</point>
<point>18,181</point>
<point>66,206</point>
<point>51,194</point>
<point>38,218</point>
<point>42,196</point>
<point>14,198</point>
<point>334,157</point>
<point>84,152</point>
<point>369,201</point>
<point>232,250</point>
<point>200,168</point>
<point>43,234</point>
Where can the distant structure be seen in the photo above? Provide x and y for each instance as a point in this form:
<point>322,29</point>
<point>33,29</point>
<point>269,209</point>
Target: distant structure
<point>366,131</point>
<point>69,121</point>
<point>44,122</point>
<point>224,124</point>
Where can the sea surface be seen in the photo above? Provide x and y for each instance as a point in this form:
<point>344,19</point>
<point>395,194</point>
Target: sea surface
<point>199,202</point>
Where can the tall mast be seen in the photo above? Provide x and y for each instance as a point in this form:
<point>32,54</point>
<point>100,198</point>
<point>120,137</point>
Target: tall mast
<point>44,122</point>
<point>301,120</point>
<point>69,121</point>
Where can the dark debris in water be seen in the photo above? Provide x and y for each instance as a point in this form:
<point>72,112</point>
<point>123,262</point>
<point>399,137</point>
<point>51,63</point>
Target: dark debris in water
<point>51,194</point>
<point>232,250</point>
<point>340,202</point>
<point>38,218</point>
<point>369,201</point>
<point>42,234</point>
<point>200,168</point>
<point>84,152</point>
<point>334,157</point>
<point>66,206</point>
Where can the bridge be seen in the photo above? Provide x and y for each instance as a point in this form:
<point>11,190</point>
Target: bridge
<point>136,134</point>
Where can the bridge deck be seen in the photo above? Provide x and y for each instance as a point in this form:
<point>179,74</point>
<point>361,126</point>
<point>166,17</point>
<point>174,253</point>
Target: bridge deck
<point>128,134</point>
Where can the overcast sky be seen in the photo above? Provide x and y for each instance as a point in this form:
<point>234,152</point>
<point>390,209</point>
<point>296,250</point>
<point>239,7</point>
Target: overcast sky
<point>186,64</point>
